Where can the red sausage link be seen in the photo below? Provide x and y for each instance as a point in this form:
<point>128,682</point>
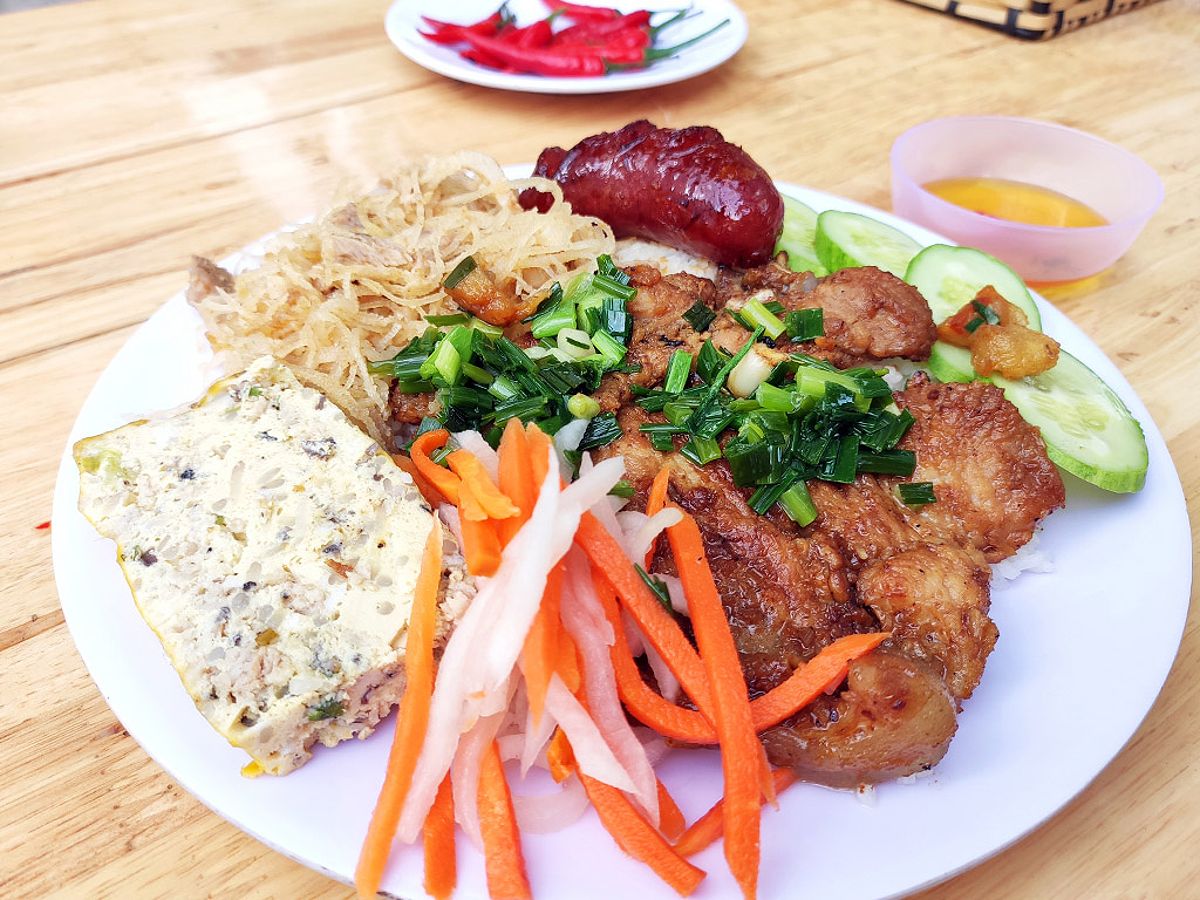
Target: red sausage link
<point>686,187</point>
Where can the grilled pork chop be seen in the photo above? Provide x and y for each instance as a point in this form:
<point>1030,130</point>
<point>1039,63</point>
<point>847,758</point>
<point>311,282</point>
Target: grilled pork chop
<point>868,563</point>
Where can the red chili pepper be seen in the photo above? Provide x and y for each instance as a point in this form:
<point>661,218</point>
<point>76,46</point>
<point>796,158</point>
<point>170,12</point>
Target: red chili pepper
<point>45,525</point>
<point>599,30</point>
<point>618,57</point>
<point>582,13</point>
<point>539,34</point>
<point>452,33</point>
<point>539,60</point>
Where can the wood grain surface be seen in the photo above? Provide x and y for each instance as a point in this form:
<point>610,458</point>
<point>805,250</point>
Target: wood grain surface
<point>134,133</point>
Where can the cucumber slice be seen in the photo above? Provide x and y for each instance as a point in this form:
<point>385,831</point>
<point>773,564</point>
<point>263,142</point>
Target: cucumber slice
<point>950,363</point>
<point>797,237</point>
<point>949,277</point>
<point>845,240</point>
<point>1087,429</point>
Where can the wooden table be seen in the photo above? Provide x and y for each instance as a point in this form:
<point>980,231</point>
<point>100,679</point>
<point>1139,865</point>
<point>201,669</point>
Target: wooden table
<point>134,133</point>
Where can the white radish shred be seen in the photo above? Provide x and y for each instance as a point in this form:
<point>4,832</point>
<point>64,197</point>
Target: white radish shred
<point>569,436</point>
<point>449,515</point>
<point>675,592</point>
<point>603,512</point>
<point>482,651</point>
<point>668,684</point>
<point>547,813</point>
<point>640,534</point>
<point>535,739</point>
<point>464,775</point>
<point>475,444</point>
<point>592,753</point>
<point>581,612</point>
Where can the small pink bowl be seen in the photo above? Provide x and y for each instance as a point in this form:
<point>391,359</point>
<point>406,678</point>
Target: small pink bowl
<point>1109,179</point>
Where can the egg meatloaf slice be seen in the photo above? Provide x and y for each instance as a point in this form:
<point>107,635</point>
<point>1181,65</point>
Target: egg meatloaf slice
<point>274,550</point>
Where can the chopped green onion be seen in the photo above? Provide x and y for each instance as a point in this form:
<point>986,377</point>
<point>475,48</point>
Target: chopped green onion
<point>622,489</point>
<point>798,504</point>
<point>610,349</point>
<point>575,343</point>
<point>916,493</point>
<point>581,406</point>
<point>439,455</point>
<point>776,399</point>
<point>889,462</point>
<point>606,267</point>
<point>701,450</point>
<point>699,316</point>
<point>414,386</point>
<point>485,328</point>
<point>703,410</point>
<point>657,587</point>
<point>748,461</point>
<point>503,388</point>
<point>526,410</point>
<point>756,315</point>
<point>478,375</point>
<point>456,319</point>
<point>805,324</point>
<point>842,466</point>
<point>459,272</point>
<point>444,363</point>
<point>601,431</point>
<point>709,361</point>
<point>678,370</point>
<point>615,318</point>
<point>553,315</point>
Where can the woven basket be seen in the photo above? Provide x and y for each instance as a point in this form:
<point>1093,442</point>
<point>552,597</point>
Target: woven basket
<point>1033,20</point>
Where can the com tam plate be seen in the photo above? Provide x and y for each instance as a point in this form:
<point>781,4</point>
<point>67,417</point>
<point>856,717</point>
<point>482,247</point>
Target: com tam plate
<point>1051,712</point>
<point>403,23</point>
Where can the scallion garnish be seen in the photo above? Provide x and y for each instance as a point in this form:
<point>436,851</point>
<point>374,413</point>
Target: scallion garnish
<point>678,370</point>
<point>985,316</point>
<point>456,319</point>
<point>581,406</point>
<point>755,314</point>
<point>601,431</point>
<point>699,316</point>
<point>622,489</point>
<point>805,324</point>
<point>798,504</point>
<point>465,267</point>
<point>657,587</point>
<point>701,450</point>
<point>889,462</point>
<point>916,493</point>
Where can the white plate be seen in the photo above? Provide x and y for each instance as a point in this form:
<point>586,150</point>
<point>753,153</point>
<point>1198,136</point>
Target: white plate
<point>1053,708</point>
<point>404,19</point>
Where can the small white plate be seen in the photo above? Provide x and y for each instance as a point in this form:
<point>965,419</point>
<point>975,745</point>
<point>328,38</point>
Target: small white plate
<point>1052,711</point>
<point>403,24</point>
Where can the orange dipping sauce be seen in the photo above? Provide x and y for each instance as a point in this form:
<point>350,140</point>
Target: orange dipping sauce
<point>1016,202</point>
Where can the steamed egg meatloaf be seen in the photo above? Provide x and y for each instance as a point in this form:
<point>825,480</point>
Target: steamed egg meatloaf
<point>273,549</point>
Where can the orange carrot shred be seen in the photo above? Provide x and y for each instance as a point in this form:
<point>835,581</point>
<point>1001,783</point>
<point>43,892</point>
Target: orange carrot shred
<point>670,818</point>
<point>516,478</point>
<point>503,860</point>
<point>411,719</point>
<point>710,826</point>
<point>481,544</point>
<point>560,757</point>
<point>637,837</point>
<point>476,481</point>
<point>740,749</point>
<point>445,481</point>
<point>655,503</point>
<point>540,447</point>
<point>441,862</point>
<point>660,628</point>
<point>567,666</point>
<point>539,655</point>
